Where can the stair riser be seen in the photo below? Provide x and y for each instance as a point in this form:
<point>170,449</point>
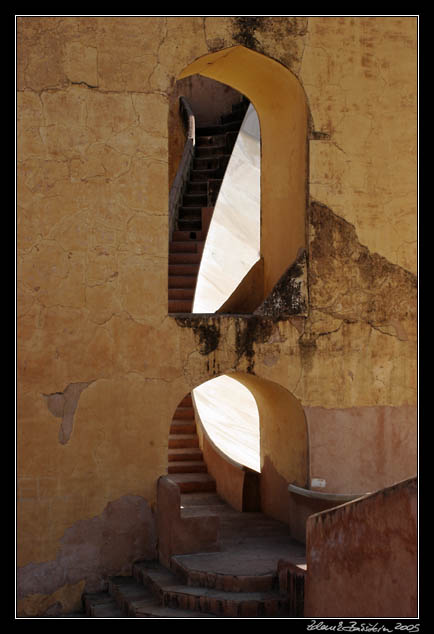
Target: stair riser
<point>195,200</point>
<point>186,236</point>
<point>183,413</point>
<point>226,608</point>
<point>180,306</point>
<point>182,428</point>
<point>182,281</point>
<point>183,269</point>
<point>187,401</point>
<point>183,247</point>
<point>197,487</point>
<point>192,453</point>
<point>225,583</point>
<point>184,258</point>
<point>180,468</point>
<point>186,213</point>
<point>183,443</point>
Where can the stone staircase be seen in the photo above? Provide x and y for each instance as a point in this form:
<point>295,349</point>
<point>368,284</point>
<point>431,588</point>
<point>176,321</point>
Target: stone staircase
<point>185,461</point>
<point>256,572</point>
<point>247,578</point>
<point>213,148</point>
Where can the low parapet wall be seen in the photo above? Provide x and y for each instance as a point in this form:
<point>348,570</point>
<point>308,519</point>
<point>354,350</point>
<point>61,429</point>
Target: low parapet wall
<point>362,557</point>
<point>180,534</point>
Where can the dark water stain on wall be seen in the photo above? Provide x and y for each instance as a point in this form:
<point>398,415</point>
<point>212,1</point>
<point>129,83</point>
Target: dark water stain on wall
<point>206,329</point>
<point>94,549</point>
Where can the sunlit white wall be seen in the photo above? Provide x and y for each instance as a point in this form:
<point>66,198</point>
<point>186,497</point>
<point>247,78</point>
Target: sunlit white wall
<point>229,414</point>
<point>233,243</point>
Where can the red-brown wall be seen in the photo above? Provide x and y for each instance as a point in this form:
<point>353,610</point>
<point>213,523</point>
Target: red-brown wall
<point>362,557</point>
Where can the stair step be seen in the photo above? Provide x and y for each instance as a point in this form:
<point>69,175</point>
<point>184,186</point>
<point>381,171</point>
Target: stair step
<point>101,605</point>
<point>184,453</point>
<point>125,590</point>
<point>211,150</point>
<point>184,258</point>
<point>151,609</point>
<point>189,224</point>
<point>209,140</point>
<point>183,426</point>
<point>183,441</point>
<point>206,163</point>
<point>192,212</point>
<point>194,200</point>
<point>208,498</point>
<point>204,175</point>
<point>180,306</point>
<point>187,466</point>
<point>187,401</point>
<point>194,482</point>
<point>182,281</point>
<point>173,593</point>
<point>191,576</point>
<point>196,188</point>
<point>181,293</point>
<point>183,247</point>
<point>218,129</point>
<point>184,412</point>
<point>232,117</point>
<point>187,236</point>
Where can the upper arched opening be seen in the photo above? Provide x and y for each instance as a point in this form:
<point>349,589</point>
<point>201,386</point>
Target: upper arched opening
<point>280,103</point>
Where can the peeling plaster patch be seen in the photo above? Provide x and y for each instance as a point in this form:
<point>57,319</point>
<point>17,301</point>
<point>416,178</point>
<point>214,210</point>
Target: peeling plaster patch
<point>348,282</point>
<point>63,405</point>
<point>289,296</point>
<point>94,549</point>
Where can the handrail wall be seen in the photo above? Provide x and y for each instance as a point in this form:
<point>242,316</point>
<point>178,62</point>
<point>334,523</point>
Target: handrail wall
<point>182,175</point>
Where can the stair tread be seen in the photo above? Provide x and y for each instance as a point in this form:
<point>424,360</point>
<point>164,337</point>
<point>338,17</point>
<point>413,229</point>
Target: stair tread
<point>187,464</point>
<point>188,423</point>
<point>167,581</point>
<point>188,477</point>
<point>102,605</point>
<point>152,609</point>
<point>175,451</point>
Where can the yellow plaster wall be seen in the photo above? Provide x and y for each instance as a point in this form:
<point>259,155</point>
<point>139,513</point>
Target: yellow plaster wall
<point>360,75</point>
<point>92,177</point>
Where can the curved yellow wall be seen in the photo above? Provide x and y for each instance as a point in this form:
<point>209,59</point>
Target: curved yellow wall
<point>280,103</point>
<point>283,441</point>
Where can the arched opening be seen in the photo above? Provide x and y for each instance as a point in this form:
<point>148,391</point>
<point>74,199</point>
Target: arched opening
<point>228,518</point>
<point>206,115</point>
<point>268,433</point>
<point>230,417</point>
<point>279,101</point>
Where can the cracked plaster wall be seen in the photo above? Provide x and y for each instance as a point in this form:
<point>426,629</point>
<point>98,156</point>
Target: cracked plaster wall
<point>92,174</point>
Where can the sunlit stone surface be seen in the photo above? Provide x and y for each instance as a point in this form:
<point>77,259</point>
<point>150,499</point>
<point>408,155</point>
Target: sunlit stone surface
<point>233,242</point>
<point>230,417</point>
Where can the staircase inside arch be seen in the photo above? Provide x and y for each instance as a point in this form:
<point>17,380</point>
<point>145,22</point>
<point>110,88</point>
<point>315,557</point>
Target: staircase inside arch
<point>257,569</point>
<point>213,148</point>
